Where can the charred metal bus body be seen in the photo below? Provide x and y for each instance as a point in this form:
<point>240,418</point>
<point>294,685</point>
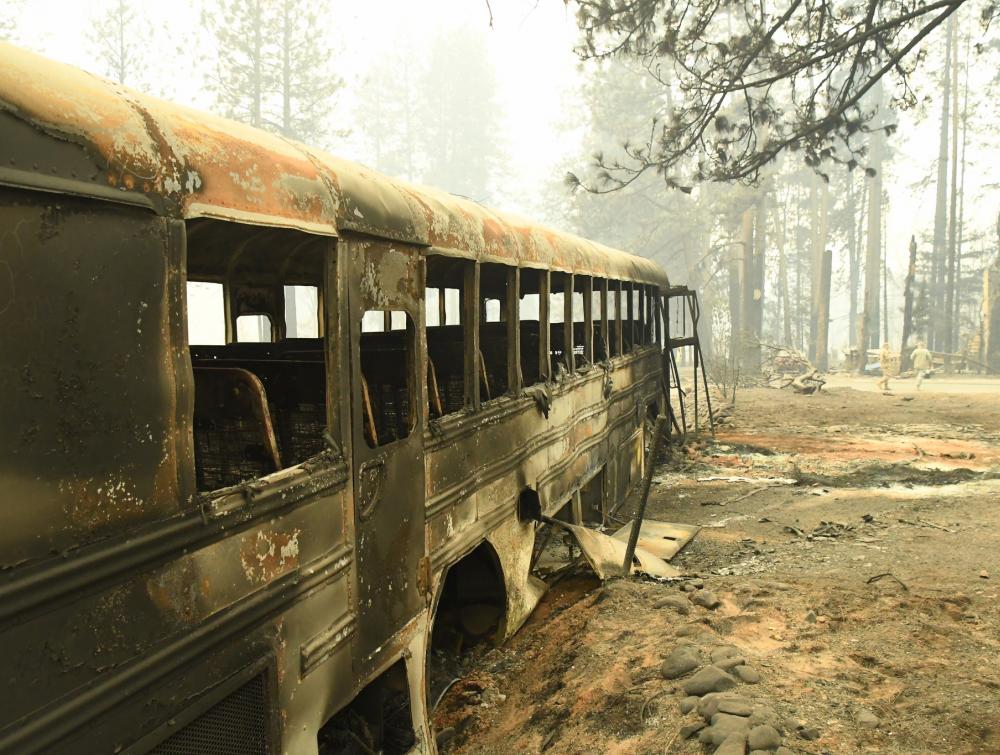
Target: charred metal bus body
<point>219,543</point>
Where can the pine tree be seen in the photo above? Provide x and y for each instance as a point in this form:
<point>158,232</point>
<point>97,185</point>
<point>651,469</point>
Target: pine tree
<point>273,65</point>
<point>461,133</point>
<point>243,74</point>
<point>388,106</point>
<point>305,82</point>
<point>119,40</point>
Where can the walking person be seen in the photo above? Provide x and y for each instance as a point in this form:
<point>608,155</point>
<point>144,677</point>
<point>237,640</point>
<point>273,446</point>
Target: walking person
<point>884,357</point>
<point>923,362</point>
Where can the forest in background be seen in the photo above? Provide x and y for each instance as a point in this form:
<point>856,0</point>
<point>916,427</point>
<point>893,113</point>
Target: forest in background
<point>429,111</point>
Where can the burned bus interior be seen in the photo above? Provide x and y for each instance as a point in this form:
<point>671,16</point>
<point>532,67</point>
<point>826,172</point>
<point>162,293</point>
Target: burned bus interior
<point>256,335</point>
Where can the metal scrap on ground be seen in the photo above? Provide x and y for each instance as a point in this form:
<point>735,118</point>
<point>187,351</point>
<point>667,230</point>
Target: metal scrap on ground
<point>658,542</point>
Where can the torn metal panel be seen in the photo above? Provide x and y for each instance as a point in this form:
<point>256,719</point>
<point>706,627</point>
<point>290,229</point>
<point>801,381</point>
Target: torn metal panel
<point>605,555</point>
<point>662,539</point>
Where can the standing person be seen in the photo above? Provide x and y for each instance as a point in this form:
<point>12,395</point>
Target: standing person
<point>923,362</point>
<point>884,356</point>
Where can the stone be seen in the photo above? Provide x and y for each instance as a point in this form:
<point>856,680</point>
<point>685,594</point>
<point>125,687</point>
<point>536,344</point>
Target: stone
<point>705,599</point>
<point>747,674</point>
<point>674,603</point>
<point>735,706</point>
<point>866,719</point>
<point>728,664</point>
<point>723,725</point>
<point>809,732</point>
<point>727,723</point>
<point>681,661</point>
<point>726,651</point>
<point>811,617</point>
<point>734,744</point>
<point>688,630</point>
<point>689,730</point>
<point>764,715</point>
<point>984,574</point>
<point>708,705</point>
<point>783,751</point>
<point>697,584</point>
<point>764,738</point>
<point>791,723</point>
<point>688,587</point>
<point>688,704</point>
<point>759,752</point>
<point>708,679</point>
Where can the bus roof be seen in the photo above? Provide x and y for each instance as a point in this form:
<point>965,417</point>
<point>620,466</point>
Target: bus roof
<point>186,163</point>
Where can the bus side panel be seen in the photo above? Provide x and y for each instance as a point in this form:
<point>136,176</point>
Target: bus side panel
<point>90,441</point>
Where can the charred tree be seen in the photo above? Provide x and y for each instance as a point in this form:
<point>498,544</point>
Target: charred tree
<point>783,283</point>
<point>911,273</point>
<point>868,335</point>
<point>939,249</point>
<point>735,308</point>
<point>747,279</point>
<point>950,340</point>
<point>853,262</point>
<point>823,313</point>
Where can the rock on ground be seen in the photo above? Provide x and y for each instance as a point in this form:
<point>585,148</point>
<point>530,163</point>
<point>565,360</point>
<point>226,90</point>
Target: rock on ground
<point>688,704</point>
<point>734,744</point>
<point>747,674</point>
<point>708,679</point>
<point>866,719</point>
<point>681,661</point>
<point>764,738</point>
<point>705,599</point>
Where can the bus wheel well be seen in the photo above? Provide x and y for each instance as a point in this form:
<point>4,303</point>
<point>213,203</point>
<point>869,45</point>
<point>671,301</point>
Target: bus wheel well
<point>471,606</point>
<point>377,720</point>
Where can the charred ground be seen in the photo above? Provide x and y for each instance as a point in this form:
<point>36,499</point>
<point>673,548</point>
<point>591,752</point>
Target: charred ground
<point>847,486</point>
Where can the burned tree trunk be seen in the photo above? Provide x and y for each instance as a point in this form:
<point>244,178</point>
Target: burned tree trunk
<point>939,251</point>
<point>746,277</point>
<point>911,272</point>
<point>854,263</point>
<point>823,313</point>
<point>950,341</point>
<point>873,257</point>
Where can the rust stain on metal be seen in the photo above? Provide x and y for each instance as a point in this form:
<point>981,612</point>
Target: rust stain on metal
<point>267,555</point>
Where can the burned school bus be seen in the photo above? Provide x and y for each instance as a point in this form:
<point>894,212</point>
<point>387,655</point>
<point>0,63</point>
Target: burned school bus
<point>272,424</point>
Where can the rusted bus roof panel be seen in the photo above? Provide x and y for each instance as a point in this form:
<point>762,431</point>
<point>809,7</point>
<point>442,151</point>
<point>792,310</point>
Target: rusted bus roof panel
<point>73,105</point>
<point>230,170</point>
<point>197,165</point>
<point>370,202</point>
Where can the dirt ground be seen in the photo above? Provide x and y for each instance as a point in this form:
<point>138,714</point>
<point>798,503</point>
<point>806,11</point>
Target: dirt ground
<point>843,487</point>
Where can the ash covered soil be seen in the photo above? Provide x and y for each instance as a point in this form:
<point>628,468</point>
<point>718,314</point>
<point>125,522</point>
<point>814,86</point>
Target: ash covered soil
<point>856,576</point>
